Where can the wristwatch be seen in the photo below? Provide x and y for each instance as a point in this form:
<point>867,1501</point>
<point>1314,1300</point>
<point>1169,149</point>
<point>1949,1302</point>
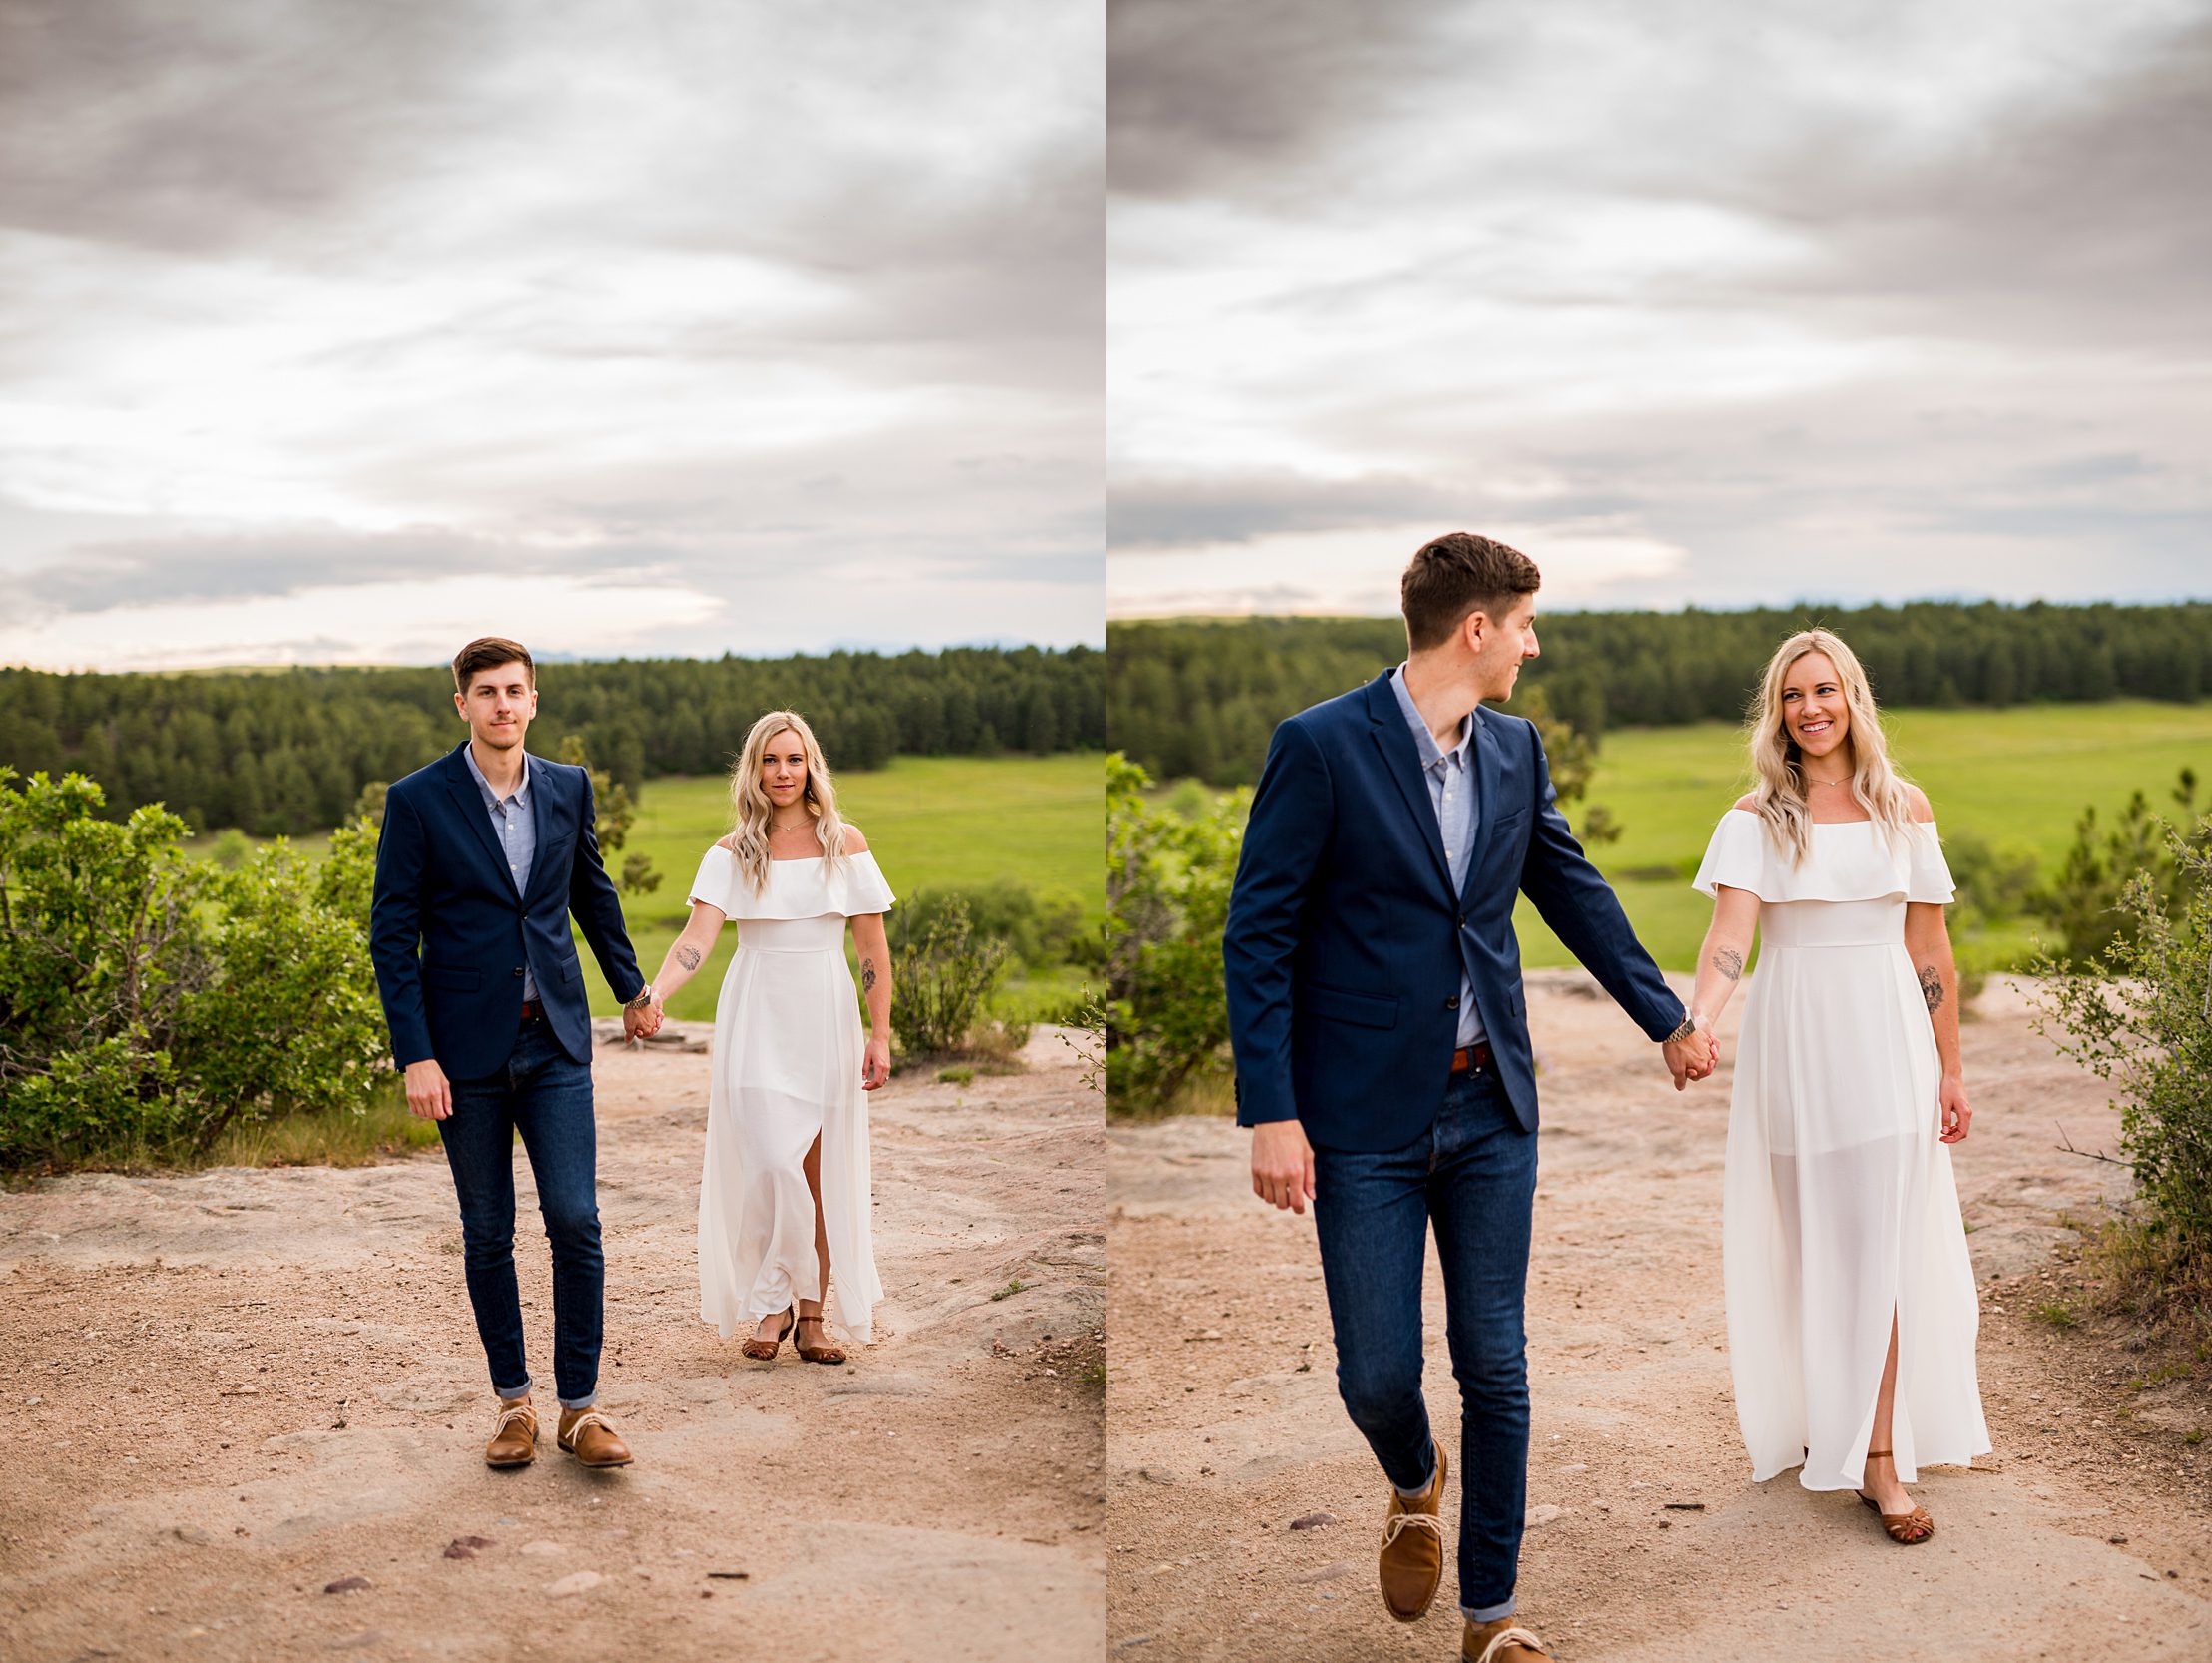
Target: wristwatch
<point>1688,1027</point>
<point>644,998</point>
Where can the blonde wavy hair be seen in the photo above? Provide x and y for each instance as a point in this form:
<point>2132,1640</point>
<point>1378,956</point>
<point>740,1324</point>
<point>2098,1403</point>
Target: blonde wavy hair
<point>748,840</point>
<point>1777,764</point>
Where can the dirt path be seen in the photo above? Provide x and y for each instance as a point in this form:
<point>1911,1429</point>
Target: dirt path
<point>227,1392</point>
<point>2088,1531</point>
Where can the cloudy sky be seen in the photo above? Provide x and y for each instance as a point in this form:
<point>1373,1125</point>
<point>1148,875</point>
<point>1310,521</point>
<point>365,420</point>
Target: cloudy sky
<point>345,333</point>
<point>1694,303</point>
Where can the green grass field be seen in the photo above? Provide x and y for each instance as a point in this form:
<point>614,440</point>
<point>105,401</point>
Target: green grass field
<point>2020,777</point>
<point>933,823</point>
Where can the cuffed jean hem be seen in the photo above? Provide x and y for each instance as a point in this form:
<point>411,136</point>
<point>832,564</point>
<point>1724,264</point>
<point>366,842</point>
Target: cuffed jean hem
<point>1488,1614</point>
<point>1416,1495</point>
<point>512,1392</point>
<point>581,1402</point>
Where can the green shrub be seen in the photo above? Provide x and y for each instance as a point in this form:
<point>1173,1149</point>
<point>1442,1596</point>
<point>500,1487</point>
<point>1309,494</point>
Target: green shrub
<point>1168,875</point>
<point>941,977</point>
<point>2086,902</point>
<point>2138,1014</point>
<point>147,1002</point>
<point>1041,933</point>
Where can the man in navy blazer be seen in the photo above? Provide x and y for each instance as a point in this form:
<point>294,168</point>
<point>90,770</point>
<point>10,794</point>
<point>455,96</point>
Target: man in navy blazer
<point>1380,1037</point>
<point>485,855</point>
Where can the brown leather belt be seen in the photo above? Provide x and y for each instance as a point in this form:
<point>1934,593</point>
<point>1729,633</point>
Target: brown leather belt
<point>1475,1056</point>
<point>532,1010</point>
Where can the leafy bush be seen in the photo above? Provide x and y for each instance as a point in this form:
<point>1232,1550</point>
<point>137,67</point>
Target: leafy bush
<point>146,1002</point>
<point>941,974</point>
<point>1041,933</point>
<point>2138,1013</point>
<point>1168,876</point>
<point>2086,901</point>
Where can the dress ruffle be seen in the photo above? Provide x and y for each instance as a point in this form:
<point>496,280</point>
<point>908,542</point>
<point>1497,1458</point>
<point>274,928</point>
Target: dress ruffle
<point>1852,861</point>
<point>796,889</point>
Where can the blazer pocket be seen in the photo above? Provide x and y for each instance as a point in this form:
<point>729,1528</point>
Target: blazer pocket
<point>446,975</point>
<point>570,969</point>
<point>1509,823</point>
<point>1337,1004</point>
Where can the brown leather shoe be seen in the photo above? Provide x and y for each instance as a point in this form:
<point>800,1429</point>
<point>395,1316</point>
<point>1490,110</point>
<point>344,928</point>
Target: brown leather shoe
<point>1413,1559</point>
<point>514,1441</point>
<point>585,1435</point>
<point>1502,1642</point>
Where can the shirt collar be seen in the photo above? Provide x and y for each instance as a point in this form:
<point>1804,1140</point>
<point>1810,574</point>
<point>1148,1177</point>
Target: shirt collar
<point>521,792</point>
<point>1426,741</point>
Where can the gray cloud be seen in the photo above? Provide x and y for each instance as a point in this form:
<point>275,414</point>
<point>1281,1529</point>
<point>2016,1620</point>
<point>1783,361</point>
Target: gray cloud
<point>748,297</point>
<point>1884,297</point>
<point>1202,97</point>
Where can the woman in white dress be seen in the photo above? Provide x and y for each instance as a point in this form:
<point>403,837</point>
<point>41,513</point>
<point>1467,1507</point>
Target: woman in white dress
<point>783,1202</point>
<point>1852,1308</point>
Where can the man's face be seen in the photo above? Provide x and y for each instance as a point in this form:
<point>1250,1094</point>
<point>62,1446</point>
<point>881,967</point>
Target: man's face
<point>498,704</point>
<point>1502,645</point>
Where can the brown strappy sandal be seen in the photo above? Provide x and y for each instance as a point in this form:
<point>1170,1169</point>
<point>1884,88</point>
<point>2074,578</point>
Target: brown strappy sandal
<point>763,1351</point>
<point>1911,1528</point>
<point>823,1352</point>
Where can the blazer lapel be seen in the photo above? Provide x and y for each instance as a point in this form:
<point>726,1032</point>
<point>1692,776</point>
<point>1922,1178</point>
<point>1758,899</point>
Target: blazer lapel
<point>470,800</point>
<point>541,782</point>
<point>1402,760</point>
<point>1488,809</point>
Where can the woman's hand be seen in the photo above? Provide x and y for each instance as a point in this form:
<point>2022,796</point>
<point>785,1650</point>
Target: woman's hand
<point>876,1062</point>
<point>1958,1112</point>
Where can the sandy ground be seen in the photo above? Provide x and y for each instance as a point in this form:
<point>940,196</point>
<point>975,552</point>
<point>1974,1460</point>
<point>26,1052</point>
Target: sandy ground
<point>2086,1533</point>
<point>226,1392</point>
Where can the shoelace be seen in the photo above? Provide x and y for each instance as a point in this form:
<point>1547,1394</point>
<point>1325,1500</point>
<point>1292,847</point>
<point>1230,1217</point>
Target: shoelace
<point>590,1418</point>
<point>1400,1522</point>
<point>1511,1637</point>
<point>508,1417</point>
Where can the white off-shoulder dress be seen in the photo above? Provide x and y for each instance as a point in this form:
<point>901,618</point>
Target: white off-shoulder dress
<point>787,1068</point>
<point>1838,1205</point>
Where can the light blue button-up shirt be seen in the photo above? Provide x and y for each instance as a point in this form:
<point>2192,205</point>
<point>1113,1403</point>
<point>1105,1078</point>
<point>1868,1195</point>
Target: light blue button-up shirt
<point>1450,779</point>
<point>517,832</point>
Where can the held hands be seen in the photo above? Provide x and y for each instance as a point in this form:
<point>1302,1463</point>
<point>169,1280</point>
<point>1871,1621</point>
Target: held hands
<point>1693,1058</point>
<point>1281,1164</point>
<point>642,1020</point>
<point>876,1062</point>
<point>428,1094</point>
<point>1957,1113</point>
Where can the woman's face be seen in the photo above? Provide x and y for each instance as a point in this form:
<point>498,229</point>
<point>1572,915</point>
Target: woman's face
<point>784,768</point>
<point>1813,710</point>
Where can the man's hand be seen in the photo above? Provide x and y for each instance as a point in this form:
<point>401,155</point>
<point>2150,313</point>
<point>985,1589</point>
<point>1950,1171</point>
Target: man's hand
<point>1281,1164</point>
<point>428,1095</point>
<point>1692,1058</point>
<point>641,1021</point>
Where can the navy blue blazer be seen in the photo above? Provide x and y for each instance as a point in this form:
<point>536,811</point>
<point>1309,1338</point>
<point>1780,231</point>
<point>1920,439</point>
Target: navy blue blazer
<point>444,888</point>
<point>1344,941</point>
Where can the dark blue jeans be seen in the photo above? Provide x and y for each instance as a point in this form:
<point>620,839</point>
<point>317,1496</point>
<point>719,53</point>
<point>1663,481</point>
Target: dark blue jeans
<point>1473,1175</point>
<point>547,1096</point>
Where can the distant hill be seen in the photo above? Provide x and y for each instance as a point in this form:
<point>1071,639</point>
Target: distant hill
<point>288,750</point>
<point>1200,696</point>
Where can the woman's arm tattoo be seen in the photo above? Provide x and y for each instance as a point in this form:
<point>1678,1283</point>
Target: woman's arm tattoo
<point>1729,962</point>
<point>868,975</point>
<point>687,957</point>
<point>1932,987</point>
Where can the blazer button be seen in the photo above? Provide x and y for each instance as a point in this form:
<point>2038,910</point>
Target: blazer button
<point>1463,921</point>
<point>518,973</point>
<point>1452,1003</point>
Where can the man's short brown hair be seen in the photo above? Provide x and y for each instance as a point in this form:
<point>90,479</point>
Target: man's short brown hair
<point>488,651</point>
<point>1456,574</point>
